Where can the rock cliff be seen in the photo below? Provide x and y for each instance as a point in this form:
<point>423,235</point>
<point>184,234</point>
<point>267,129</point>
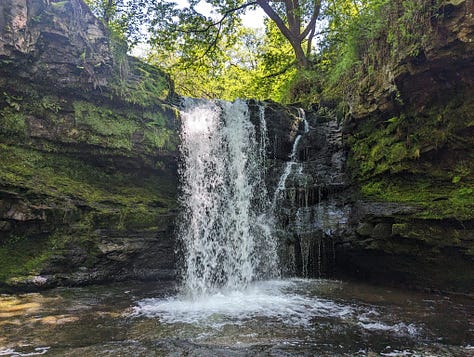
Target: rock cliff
<point>411,155</point>
<point>88,145</point>
<point>400,209</point>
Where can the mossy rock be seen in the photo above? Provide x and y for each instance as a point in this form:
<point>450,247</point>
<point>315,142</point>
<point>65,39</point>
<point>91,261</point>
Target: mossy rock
<point>365,229</point>
<point>78,198</point>
<point>435,234</point>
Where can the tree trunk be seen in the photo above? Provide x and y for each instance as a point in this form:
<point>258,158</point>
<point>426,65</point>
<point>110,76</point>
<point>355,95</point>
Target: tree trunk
<point>293,34</point>
<point>301,58</point>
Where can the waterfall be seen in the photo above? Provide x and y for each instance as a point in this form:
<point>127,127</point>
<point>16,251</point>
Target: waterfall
<point>225,227</point>
<point>291,163</point>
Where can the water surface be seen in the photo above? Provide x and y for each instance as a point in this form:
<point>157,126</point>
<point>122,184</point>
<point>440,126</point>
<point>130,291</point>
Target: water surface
<point>292,317</point>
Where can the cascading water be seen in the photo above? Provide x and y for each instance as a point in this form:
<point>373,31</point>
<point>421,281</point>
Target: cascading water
<point>224,225</point>
<point>290,164</point>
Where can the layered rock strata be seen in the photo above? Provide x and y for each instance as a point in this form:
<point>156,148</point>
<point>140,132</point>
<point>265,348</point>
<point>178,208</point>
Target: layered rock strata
<point>88,145</point>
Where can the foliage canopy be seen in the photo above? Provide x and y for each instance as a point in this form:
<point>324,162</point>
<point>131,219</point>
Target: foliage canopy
<point>306,45</point>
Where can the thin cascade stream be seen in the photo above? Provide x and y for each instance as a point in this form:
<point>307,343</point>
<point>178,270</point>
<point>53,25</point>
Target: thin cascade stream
<point>291,163</point>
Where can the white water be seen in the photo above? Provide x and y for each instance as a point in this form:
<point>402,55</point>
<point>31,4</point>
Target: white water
<point>272,299</point>
<point>224,227</point>
<point>287,303</point>
<point>291,163</point>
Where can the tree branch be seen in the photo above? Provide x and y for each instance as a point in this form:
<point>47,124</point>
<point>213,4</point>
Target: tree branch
<point>290,15</point>
<point>214,42</point>
<point>310,41</point>
<point>312,22</point>
<point>280,72</point>
<point>296,5</point>
<point>277,19</point>
<point>221,20</point>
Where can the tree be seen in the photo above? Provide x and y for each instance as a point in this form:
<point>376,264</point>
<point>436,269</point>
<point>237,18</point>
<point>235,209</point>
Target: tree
<point>256,64</point>
<point>298,23</point>
<point>188,29</point>
<point>209,54</point>
<point>123,17</point>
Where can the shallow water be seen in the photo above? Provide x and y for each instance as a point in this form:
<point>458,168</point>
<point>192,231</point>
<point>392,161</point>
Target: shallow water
<point>292,317</point>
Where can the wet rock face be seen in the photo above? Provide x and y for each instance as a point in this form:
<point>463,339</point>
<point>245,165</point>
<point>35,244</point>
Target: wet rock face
<point>438,68</point>
<point>391,245</point>
<point>446,67</point>
<point>399,209</point>
<point>312,210</point>
<point>283,125</point>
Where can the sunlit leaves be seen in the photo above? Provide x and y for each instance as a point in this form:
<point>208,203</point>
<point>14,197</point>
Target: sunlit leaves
<point>211,55</point>
<point>252,65</point>
<point>123,17</point>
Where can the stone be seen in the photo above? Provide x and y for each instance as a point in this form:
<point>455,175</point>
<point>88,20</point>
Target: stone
<point>66,44</point>
<point>5,226</point>
<point>365,229</point>
<point>382,231</point>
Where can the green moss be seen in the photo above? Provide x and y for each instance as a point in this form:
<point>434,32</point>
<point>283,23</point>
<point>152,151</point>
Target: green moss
<point>114,128</point>
<point>434,235</point>
<point>419,158</point>
<point>379,147</point>
<point>382,35</point>
<point>395,247</point>
<point>51,103</point>
<point>98,184</point>
<point>12,122</point>
<point>23,255</point>
<point>107,198</point>
<point>155,119</point>
<point>436,199</point>
<point>149,85</point>
<point>104,126</point>
<point>60,176</point>
<point>59,6</point>
<point>139,216</point>
<point>160,139</point>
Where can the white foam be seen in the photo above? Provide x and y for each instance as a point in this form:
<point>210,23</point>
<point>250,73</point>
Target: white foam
<point>12,352</point>
<point>399,328</point>
<point>398,353</point>
<point>270,299</point>
<point>289,302</point>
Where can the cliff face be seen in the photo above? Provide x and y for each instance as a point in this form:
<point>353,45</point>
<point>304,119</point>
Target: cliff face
<point>88,151</point>
<point>411,155</point>
<point>400,209</point>
<point>58,41</point>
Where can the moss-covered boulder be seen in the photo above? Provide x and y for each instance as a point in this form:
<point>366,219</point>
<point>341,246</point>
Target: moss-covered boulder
<point>88,148</point>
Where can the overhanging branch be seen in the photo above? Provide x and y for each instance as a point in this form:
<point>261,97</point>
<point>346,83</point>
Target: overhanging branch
<point>312,22</point>
<point>221,20</point>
